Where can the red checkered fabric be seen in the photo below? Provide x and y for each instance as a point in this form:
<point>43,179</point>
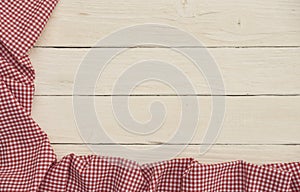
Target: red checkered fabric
<point>28,162</point>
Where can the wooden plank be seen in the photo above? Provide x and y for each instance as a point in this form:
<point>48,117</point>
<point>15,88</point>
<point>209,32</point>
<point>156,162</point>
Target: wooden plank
<point>248,120</point>
<point>245,71</point>
<point>219,153</point>
<point>215,23</point>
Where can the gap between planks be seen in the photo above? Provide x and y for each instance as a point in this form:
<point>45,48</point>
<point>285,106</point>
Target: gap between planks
<point>190,144</point>
<point>153,46</point>
<point>174,95</point>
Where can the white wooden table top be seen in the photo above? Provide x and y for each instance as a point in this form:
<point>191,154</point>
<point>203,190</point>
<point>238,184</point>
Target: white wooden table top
<point>256,45</point>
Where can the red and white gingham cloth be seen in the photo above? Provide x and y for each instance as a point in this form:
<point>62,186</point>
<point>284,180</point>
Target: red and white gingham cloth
<point>28,162</point>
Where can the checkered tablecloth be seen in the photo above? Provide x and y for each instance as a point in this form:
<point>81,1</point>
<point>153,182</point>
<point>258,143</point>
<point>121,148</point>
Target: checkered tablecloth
<point>28,162</point>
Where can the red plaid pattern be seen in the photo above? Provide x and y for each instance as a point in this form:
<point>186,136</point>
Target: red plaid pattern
<point>28,162</point>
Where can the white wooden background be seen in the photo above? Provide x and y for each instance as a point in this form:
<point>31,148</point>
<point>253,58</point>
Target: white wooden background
<point>255,43</point>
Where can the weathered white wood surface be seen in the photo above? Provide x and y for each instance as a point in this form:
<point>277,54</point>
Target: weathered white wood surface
<point>248,120</point>
<point>245,71</point>
<point>218,153</point>
<point>214,22</point>
<point>255,44</point>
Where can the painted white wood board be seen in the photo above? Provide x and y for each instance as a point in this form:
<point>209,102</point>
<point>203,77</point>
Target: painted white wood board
<point>248,120</point>
<point>244,71</point>
<point>218,153</point>
<point>214,22</point>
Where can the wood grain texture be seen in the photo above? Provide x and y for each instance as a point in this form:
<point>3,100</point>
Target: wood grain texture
<point>248,120</point>
<point>245,71</point>
<point>215,23</point>
<point>218,153</point>
<point>256,45</point>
